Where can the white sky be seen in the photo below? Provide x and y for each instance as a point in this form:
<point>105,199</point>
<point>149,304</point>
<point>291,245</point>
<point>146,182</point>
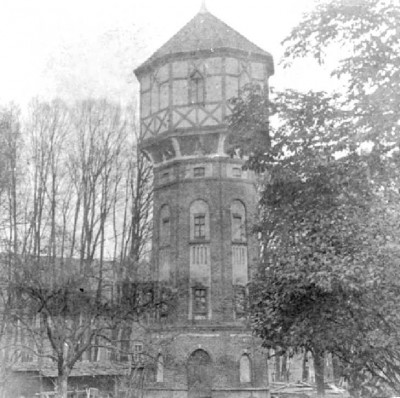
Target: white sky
<point>80,48</point>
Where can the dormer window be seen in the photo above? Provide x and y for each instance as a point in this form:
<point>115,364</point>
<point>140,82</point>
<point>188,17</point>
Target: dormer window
<point>197,88</point>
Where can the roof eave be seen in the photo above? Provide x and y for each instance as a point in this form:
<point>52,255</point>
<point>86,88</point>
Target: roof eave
<point>151,64</point>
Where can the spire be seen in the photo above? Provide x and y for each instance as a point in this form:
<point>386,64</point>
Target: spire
<point>203,8</point>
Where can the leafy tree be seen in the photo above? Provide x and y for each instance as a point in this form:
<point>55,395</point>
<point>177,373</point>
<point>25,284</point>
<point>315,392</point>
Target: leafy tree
<point>328,281</point>
<point>330,216</point>
<point>367,34</point>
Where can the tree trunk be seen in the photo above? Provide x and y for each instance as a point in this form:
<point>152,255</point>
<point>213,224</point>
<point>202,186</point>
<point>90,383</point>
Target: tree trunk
<point>337,370</point>
<point>62,385</point>
<point>62,381</point>
<point>285,369</point>
<point>319,369</point>
<point>305,371</point>
<point>277,364</point>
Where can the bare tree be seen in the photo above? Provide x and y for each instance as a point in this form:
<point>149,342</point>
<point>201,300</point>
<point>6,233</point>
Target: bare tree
<point>78,219</point>
<point>9,140</point>
<point>137,194</point>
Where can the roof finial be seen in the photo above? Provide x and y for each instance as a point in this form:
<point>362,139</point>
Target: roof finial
<point>203,7</point>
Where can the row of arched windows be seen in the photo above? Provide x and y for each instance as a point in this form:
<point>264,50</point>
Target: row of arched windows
<point>200,255</point>
<point>200,222</point>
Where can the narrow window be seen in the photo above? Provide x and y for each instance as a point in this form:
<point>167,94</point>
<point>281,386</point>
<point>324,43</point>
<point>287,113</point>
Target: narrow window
<point>196,88</point>
<point>199,172</point>
<point>160,369</point>
<point>237,227</point>
<point>165,229</point>
<point>238,221</point>
<point>165,226</point>
<point>199,221</point>
<point>125,345</point>
<point>245,369</point>
<point>137,356</point>
<point>240,301</point>
<point>200,226</point>
<point>200,301</point>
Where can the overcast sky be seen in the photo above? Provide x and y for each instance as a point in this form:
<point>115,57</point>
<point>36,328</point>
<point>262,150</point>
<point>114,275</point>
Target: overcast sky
<point>80,48</point>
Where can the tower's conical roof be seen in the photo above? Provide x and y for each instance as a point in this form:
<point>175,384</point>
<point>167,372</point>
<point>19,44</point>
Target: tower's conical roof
<point>204,32</point>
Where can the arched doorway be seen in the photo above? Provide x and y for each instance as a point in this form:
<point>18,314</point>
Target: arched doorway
<point>199,374</point>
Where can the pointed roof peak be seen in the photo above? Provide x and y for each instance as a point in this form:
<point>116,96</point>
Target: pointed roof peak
<point>203,7</point>
<point>206,33</point>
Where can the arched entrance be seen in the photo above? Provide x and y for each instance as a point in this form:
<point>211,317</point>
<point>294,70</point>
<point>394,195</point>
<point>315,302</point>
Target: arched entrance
<point>199,374</point>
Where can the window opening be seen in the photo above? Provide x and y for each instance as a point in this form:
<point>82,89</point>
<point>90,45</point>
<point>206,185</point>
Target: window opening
<point>124,357</point>
<point>165,231</point>
<point>199,172</point>
<point>125,345</point>
<point>240,301</point>
<point>245,369</point>
<point>137,355</point>
<point>199,221</point>
<point>200,301</point>
<point>165,226</point>
<point>196,88</point>
<point>200,226</point>
<point>160,369</point>
<point>238,221</point>
<point>237,227</point>
<point>237,172</point>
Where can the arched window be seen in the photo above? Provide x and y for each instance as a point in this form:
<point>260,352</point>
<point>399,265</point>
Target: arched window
<point>160,369</point>
<point>199,373</point>
<point>238,221</point>
<point>199,221</point>
<point>197,90</point>
<point>165,226</point>
<point>244,369</point>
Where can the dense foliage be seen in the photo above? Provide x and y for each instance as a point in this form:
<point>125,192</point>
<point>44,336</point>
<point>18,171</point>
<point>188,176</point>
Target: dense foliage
<point>366,34</point>
<point>330,216</point>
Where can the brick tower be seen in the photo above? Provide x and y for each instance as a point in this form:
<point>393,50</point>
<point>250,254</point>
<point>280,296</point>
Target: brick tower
<point>203,208</point>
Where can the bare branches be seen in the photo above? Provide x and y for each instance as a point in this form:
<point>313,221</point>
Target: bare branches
<point>77,224</point>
